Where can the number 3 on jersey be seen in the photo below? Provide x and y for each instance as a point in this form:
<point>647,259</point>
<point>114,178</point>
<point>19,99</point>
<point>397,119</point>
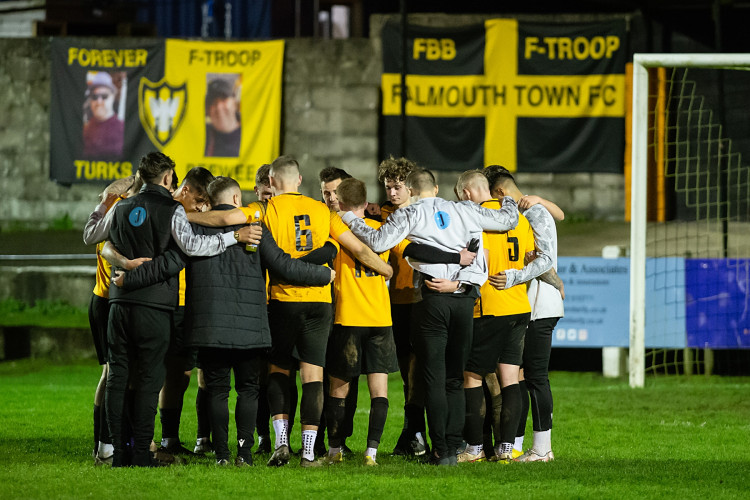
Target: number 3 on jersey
<point>302,230</point>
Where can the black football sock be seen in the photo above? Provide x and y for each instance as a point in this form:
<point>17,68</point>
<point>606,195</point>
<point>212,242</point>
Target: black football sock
<point>335,409</point>
<point>378,416</point>
<point>474,415</point>
<point>278,394</point>
<point>510,414</point>
<point>351,407</point>
<point>170,423</point>
<point>311,405</point>
<point>293,400</point>
<point>487,421</point>
<point>524,409</point>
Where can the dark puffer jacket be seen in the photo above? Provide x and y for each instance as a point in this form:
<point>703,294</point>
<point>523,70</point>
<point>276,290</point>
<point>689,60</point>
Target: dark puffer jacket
<point>225,301</point>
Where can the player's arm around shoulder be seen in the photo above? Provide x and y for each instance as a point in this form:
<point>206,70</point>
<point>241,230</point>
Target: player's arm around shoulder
<point>290,270</point>
<point>502,219</point>
<point>530,200</point>
<point>390,233</point>
<point>219,218</point>
<point>141,272</point>
<point>541,263</point>
<point>346,238</point>
<point>97,226</point>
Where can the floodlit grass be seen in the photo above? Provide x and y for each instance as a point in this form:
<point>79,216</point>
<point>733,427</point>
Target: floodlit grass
<point>46,313</point>
<point>678,438</point>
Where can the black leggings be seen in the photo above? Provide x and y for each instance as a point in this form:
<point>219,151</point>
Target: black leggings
<point>441,343</point>
<point>536,353</point>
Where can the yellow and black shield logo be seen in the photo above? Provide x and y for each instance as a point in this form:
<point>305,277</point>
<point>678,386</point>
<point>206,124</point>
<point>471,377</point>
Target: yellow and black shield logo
<point>161,107</point>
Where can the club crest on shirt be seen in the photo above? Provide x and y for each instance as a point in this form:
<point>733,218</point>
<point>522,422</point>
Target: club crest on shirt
<point>442,219</point>
<point>161,107</point>
<point>137,216</point>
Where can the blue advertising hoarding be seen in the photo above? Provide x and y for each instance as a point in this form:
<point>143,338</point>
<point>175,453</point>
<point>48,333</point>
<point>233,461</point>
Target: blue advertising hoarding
<point>700,303</point>
<point>597,296</point>
<point>665,303</point>
<point>718,303</point>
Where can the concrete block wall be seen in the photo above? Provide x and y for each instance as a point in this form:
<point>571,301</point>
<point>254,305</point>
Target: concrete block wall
<point>331,109</point>
<point>73,284</point>
<point>26,193</point>
<point>330,118</point>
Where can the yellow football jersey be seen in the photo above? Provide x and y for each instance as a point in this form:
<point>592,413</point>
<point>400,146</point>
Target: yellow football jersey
<point>103,272</point>
<point>337,226</point>
<point>299,225</point>
<point>361,294</point>
<point>103,268</point>
<point>183,286</point>
<point>254,211</point>
<point>505,251</point>
<point>401,285</point>
<point>386,209</point>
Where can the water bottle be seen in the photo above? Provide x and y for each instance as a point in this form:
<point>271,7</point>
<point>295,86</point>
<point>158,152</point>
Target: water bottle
<point>251,247</point>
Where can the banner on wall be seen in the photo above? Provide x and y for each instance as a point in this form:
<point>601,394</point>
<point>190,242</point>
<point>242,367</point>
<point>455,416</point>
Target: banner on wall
<point>529,96</point>
<point>210,104</point>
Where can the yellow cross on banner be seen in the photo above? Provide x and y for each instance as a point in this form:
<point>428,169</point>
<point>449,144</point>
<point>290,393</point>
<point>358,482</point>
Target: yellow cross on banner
<point>501,95</point>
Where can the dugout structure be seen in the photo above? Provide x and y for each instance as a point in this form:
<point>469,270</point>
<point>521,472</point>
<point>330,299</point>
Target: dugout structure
<point>690,213</point>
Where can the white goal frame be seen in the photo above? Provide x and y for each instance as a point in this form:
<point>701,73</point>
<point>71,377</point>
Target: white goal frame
<point>639,186</point>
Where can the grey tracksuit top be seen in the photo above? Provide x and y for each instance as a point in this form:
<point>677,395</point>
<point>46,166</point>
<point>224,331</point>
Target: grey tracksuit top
<point>447,225</point>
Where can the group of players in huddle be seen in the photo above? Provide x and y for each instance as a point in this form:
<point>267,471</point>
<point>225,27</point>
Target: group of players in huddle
<point>457,296</point>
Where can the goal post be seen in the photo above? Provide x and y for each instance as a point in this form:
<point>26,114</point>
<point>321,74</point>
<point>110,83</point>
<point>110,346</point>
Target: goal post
<point>640,143</point>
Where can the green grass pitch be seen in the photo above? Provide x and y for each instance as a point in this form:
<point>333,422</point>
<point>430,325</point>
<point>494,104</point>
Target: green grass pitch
<point>677,438</point>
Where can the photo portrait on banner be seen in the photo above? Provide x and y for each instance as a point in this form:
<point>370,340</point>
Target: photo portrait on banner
<point>232,110</point>
<point>223,119</point>
<point>104,114</point>
<point>95,133</point>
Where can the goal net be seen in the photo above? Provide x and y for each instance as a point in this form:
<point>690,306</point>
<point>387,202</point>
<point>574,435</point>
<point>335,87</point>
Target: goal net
<point>690,212</point>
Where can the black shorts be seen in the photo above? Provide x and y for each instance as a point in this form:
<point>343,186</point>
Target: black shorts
<point>402,319</point>
<point>354,350</point>
<point>179,351</point>
<point>98,319</point>
<point>299,332</point>
<point>497,339</point>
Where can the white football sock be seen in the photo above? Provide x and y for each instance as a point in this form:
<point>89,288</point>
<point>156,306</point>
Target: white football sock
<point>419,437</point>
<point>167,442</point>
<point>308,444</point>
<point>518,444</point>
<point>281,429</point>
<point>474,449</point>
<point>105,450</point>
<point>371,452</point>
<point>542,442</point>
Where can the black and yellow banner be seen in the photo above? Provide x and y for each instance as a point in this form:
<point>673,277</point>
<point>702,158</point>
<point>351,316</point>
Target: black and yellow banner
<point>210,104</point>
<point>531,97</point>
